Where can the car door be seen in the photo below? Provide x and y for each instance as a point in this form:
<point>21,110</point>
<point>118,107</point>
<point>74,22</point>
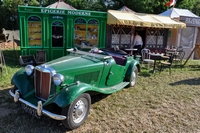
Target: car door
<point>115,75</point>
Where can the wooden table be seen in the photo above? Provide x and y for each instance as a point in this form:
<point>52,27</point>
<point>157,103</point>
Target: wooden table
<point>172,52</point>
<point>155,57</point>
<point>130,50</point>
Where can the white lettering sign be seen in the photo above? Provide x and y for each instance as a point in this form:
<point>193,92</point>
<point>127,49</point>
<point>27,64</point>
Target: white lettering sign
<point>81,13</point>
<point>193,21</point>
<point>52,11</point>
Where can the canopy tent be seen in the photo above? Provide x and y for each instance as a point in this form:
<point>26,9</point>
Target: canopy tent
<point>142,20</point>
<point>176,13</point>
<point>188,38</point>
<point>125,9</point>
<point>61,5</point>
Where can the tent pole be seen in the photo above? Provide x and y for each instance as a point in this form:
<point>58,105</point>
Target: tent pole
<point>173,8</point>
<point>2,59</point>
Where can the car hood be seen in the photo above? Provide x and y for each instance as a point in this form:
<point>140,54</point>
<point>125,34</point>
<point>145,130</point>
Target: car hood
<point>74,62</point>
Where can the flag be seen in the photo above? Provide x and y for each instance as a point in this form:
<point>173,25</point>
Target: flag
<point>170,3</point>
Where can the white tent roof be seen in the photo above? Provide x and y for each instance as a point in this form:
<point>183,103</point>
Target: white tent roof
<point>61,5</point>
<point>176,13</point>
<point>125,9</point>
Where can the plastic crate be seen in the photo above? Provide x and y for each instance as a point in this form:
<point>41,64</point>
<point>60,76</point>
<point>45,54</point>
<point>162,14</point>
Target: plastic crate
<point>27,60</point>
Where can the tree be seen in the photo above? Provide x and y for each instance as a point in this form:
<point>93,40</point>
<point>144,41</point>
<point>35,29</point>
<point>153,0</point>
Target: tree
<point>79,4</point>
<point>153,6</point>
<point>47,2</point>
<point>93,5</point>
<point>196,9</point>
<point>186,4</point>
<point>10,15</point>
<point>8,8</point>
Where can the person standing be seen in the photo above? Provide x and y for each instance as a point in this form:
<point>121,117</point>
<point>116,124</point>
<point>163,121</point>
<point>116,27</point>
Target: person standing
<point>138,42</point>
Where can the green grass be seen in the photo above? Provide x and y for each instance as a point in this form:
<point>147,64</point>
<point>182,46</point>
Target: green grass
<point>157,103</point>
<point>10,66</point>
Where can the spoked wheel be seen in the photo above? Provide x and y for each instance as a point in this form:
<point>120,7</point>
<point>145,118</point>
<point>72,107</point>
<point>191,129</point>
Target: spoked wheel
<point>133,77</point>
<point>77,111</point>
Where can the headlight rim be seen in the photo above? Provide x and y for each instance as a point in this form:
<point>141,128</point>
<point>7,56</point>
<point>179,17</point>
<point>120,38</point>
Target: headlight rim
<point>30,67</point>
<point>59,79</point>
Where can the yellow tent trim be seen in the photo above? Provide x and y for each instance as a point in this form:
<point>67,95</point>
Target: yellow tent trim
<point>142,20</point>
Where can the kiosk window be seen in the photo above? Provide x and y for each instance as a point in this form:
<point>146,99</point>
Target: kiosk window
<point>126,33</point>
<point>187,37</point>
<point>79,31</point>
<point>34,31</point>
<point>121,36</point>
<point>156,38</point>
<point>92,33</point>
<point>116,35</point>
<point>86,34</point>
<point>57,34</point>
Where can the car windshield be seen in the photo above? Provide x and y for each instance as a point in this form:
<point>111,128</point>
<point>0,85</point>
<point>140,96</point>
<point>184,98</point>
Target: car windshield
<point>99,55</point>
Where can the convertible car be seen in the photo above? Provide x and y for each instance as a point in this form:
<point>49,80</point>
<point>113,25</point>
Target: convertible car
<point>62,88</point>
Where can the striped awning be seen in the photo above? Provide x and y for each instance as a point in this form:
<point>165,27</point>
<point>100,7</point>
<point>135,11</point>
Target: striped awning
<point>142,20</point>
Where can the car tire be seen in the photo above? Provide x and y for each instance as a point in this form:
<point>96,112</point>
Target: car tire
<point>77,111</point>
<point>133,77</point>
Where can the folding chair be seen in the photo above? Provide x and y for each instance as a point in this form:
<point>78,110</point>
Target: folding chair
<point>179,57</point>
<point>146,57</point>
<point>167,64</point>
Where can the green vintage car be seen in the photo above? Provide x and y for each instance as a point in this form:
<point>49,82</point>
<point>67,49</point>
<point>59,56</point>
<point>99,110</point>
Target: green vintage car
<point>61,89</point>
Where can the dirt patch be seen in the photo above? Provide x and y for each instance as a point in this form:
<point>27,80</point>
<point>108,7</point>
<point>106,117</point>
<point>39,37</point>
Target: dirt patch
<point>9,45</point>
<point>5,111</point>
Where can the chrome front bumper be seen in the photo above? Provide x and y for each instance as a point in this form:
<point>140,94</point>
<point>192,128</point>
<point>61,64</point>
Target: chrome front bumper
<point>38,108</point>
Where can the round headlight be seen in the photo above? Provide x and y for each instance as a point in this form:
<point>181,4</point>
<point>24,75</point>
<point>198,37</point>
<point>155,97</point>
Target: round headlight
<point>29,69</point>
<point>58,79</point>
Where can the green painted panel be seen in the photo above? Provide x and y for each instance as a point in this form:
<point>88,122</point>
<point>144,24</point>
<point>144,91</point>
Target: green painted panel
<point>22,30</point>
<point>24,52</point>
<point>70,35</point>
<point>45,32</point>
<point>102,39</point>
<point>32,51</point>
<point>56,53</point>
<point>47,55</point>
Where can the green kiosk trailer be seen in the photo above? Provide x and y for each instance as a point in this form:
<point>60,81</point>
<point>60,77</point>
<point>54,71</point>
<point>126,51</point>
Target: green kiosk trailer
<point>49,31</point>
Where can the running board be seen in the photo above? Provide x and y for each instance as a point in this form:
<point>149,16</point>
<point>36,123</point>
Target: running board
<point>120,86</point>
<point>112,89</point>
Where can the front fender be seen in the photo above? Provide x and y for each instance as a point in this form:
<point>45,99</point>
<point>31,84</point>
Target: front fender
<point>22,81</point>
<point>69,94</point>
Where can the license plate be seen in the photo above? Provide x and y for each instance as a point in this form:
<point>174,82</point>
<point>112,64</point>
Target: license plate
<point>29,110</point>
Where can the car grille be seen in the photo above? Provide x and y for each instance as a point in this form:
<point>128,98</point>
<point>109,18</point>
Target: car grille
<point>42,84</point>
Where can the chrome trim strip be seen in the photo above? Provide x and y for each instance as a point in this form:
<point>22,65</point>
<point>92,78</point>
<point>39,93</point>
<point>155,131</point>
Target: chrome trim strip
<point>45,112</point>
<point>66,60</point>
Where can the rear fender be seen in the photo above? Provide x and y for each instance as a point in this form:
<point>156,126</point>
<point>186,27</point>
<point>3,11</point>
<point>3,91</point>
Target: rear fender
<point>69,94</point>
<point>131,68</point>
